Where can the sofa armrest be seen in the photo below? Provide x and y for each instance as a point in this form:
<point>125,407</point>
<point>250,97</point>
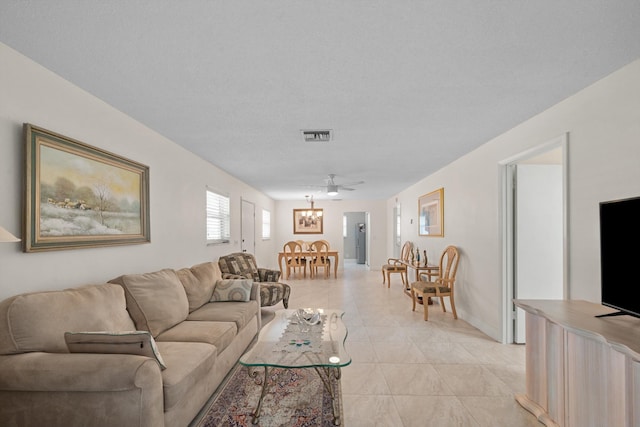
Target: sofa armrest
<point>35,385</point>
<point>268,275</point>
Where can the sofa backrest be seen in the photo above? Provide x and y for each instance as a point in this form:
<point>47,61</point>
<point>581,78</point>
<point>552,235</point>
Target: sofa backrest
<point>199,282</point>
<point>37,321</point>
<point>241,264</point>
<point>156,301</point>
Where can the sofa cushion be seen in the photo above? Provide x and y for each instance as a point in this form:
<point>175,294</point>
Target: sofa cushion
<point>187,363</point>
<point>37,321</point>
<point>199,282</point>
<point>219,334</point>
<point>239,312</point>
<point>156,301</point>
<point>232,290</point>
<point>128,342</point>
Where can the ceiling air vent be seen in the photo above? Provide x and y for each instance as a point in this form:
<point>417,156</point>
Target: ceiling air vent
<point>317,135</point>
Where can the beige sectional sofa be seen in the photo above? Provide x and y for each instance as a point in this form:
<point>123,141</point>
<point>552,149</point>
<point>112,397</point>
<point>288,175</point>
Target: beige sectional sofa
<point>199,326</point>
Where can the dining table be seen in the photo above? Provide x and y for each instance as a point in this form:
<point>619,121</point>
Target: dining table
<point>308,254</point>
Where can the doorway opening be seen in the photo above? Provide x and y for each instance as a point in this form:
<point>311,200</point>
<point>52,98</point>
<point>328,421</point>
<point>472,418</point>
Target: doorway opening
<point>534,223</point>
<point>355,226</point>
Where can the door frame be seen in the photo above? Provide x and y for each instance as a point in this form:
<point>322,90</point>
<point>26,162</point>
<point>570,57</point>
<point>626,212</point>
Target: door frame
<point>245,205</point>
<point>507,226</point>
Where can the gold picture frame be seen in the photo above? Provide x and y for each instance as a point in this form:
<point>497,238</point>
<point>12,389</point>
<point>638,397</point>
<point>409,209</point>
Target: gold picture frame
<point>79,196</point>
<point>431,214</point>
<point>303,223</point>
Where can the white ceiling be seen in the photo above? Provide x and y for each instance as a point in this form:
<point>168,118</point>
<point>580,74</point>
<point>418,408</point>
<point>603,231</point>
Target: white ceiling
<point>407,86</point>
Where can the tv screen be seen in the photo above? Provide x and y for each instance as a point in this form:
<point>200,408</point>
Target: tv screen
<point>619,255</point>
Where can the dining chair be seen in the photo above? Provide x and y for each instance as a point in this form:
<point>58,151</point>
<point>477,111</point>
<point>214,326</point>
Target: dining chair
<point>320,258</point>
<point>294,259</point>
<point>398,265</point>
<point>442,286</point>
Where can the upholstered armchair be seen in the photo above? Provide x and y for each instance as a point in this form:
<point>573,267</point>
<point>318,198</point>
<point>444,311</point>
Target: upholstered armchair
<point>242,265</point>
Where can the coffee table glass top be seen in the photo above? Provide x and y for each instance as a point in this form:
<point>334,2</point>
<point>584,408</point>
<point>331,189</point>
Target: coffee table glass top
<point>289,342</point>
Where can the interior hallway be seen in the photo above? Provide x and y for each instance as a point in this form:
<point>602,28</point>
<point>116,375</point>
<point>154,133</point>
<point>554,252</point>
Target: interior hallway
<point>408,372</point>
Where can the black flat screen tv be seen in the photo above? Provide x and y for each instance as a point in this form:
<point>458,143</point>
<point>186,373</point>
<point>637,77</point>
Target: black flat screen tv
<point>619,256</point>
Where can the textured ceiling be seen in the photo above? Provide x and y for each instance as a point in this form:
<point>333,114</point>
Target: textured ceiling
<point>407,86</point>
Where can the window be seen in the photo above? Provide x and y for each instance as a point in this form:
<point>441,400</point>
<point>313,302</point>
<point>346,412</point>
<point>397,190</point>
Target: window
<point>266,224</point>
<point>218,218</point>
<point>344,226</point>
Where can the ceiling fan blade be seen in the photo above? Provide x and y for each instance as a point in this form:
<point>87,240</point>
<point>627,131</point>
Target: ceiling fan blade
<point>349,184</point>
<point>346,188</point>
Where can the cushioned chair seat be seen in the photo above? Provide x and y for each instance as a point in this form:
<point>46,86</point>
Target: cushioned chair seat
<point>429,289</point>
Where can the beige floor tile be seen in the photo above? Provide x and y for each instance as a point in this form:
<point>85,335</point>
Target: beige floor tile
<point>370,411</point>
<point>363,378</point>
<point>361,351</point>
<point>445,352</point>
<point>501,411</point>
<point>414,379</point>
<point>397,352</point>
<point>435,411</point>
<point>472,380</point>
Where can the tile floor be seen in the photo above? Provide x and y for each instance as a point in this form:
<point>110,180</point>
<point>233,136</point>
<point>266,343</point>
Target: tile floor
<point>406,372</point>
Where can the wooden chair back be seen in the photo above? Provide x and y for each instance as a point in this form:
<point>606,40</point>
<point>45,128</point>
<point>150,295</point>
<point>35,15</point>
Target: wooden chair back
<point>293,257</point>
<point>320,257</point>
<point>405,253</point>
<point>448,267</point>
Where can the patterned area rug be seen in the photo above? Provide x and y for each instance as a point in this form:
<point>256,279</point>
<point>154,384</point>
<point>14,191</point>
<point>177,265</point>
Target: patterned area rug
<point>295,397</point>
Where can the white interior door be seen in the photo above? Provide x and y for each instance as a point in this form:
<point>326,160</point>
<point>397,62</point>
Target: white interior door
<point>248,227</point>
<point>538,241</point>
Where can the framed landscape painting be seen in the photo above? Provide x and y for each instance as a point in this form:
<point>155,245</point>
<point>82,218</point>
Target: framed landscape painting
<point>79,196</point>
<point>431,214</point>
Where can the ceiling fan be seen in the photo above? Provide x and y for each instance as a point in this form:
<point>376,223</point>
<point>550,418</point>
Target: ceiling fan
<point>332,188</point>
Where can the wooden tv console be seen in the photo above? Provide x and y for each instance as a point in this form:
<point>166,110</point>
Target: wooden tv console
<point>581,370</point>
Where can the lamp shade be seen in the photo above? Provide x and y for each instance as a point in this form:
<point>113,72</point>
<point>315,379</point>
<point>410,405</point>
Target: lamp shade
<point>332,190</point>
<point>7,237</point>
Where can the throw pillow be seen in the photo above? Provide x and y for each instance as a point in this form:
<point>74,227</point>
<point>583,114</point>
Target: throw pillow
<point>140,343</point>
<point>232,290</point>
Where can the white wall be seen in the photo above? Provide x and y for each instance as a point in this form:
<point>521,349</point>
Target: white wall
<point>30,93</point>
<point>332,227</point>
<point>603,122</point>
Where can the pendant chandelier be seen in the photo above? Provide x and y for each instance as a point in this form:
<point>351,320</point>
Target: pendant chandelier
<point>312,214</point>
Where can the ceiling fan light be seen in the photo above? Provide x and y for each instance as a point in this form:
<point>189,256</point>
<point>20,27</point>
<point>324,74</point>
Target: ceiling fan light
<point>332,190</point>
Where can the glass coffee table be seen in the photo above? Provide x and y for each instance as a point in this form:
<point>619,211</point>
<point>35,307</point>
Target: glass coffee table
<point>289,342</point>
